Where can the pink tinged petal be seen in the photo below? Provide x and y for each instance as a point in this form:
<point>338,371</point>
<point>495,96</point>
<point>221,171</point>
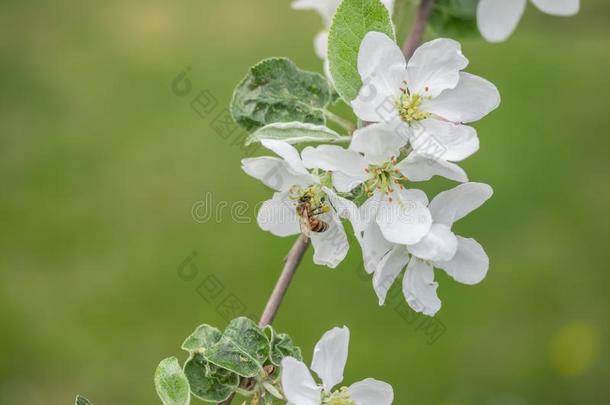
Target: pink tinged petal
<point>442,140</point>
<point>470,263</point>
<point>326,8</point>
<point>388,270</point>
<point>330,356</point>
<point>374,248</point>
<point>450,206</point>
<point>472,99</point>
<point>331,246</point>
<point>377,142</point>
<point>298,385</point>
<point>335,158</point>
<point>371,392</point>
<point>320,44</point>
<point>497,19</point>
<point>435,66</point>
<point>288,153</point>
<point>439,244</point>
<point>278,216</point>
<point>274,173</point>
<point>381,65</point>
<point>563,8</point>
<point>405,220</point>
<point>420,168</point>
<point>419,288</point>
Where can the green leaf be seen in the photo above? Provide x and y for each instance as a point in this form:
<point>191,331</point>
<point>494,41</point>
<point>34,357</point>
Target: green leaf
<point>171,383</point>
<point>80,400</point>
<point>201,339</point>
<point>283,346</point>
<point>295,132</point>
<point>242,349</point>
<point>353,19</point>
<point>455,18</point>
<point>209,382</point>
<point>275,90</point>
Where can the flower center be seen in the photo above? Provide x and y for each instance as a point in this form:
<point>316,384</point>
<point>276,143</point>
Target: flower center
<point>383,178</point>
<point>312,197</point>
<point>408,106</point>
<point>340,397</point>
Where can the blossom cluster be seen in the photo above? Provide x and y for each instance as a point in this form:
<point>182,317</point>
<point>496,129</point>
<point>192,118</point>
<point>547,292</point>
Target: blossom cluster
<point>416,116</point>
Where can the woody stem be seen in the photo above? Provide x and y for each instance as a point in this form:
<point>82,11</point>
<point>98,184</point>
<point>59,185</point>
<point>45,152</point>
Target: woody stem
<point>418,28</point>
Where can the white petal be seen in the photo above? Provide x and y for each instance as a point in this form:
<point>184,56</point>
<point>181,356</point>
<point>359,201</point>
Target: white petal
<point>558,7</point>
<point>388,270</point>
<point>335,158</point>
<point>344,183</point>
<point>374,247</point>
<point>381,65</point>
<point>389,4</point>
<point>419,168</point>
<point>330,356</point>
<point>435,66</point>
<point>288,153</point>
<point>279,216</point>
<point>369,209</point>
<point>326,8</point>
<point>436,139</point>
<point>449,206</point>
<point>438,244</point>
<point>345,209</point>
<point>470,263</point>
<point>371,392</point>
<point>331,246</point>
<point>298,385</point>
<point>320,44</point>
<point>472,99</point>
<point>419,288</point>
<point>274,173</point>
<point>405,220</point>
<point>497,19</point>
<point>377,142</point>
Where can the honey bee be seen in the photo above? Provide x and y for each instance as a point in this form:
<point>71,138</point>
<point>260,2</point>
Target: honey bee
<point>308,216</point>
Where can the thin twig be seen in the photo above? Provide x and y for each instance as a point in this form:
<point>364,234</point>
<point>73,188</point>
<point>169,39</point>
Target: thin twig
<point>418,28</point>
<point>291,263</point>
<point>290,267</point>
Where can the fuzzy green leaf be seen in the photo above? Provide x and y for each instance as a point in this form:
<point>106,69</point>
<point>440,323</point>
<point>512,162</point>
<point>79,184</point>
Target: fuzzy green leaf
<point>455,18</point>
<point>80,400</point>
<point>283,346</point>
<point>275,90</point>
<point>353,19</point>
<point>208,382</point>
<point>242,349</point>
<point>295,132</point>
<point>171,383</point>
<point>201,339</point>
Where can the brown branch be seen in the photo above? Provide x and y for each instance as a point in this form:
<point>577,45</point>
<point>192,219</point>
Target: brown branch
<point>291,263</point>
<point>418,28</point>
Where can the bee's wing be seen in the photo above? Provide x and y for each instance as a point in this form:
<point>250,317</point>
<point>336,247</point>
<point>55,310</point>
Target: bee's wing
<point>304,223</point>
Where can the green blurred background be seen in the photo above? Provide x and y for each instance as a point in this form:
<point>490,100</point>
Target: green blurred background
<point>101,164</point>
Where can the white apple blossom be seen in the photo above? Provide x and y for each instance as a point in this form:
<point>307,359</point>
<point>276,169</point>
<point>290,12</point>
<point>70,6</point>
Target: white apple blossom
<point>371,162</point>
<point>461,258</point>
<point>426,101</point>
<point>291,180</point>
<point>329,358</point>
<point>326,9</point>
<point>498,19</point>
